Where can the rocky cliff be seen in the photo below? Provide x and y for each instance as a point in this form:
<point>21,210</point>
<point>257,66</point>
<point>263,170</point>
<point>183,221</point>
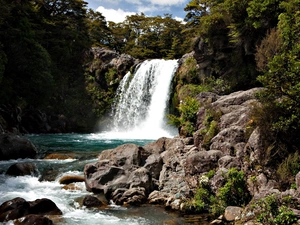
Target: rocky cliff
<point>169,171</point>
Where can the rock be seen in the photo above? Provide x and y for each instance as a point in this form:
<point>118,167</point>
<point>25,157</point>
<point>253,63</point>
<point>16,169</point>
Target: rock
<point>157,197</point>
<point>33,220</point>
<point>22,169</point>
<point>105,179</point>
<point>126,155</point>
<point>15,147</point>
<point>71,187</point>
<point>68,179</point>
<point>232,213</point>
<point>141,178</point>
<point>154,164</point>
<point>133,196</point>
<point>254,148</point>
<point>156,147</point>
<point>229,162</point>
<point>227,138</point>
<point>44,206</point>
<point>218,180</point>
<point>297,178</point>
<point>59,156</point>
<point>14,209</point>
<point>202,161</point>
<point>92,201</point>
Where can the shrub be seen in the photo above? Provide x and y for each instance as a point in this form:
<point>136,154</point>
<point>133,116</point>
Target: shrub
<point>289,168</point>
<point>273,212</point>
<point>234,192</point>
<point>188,115</point>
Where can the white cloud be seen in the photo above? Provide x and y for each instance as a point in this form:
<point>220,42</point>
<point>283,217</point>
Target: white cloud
<point>115,15</point>
<point>167,2</point>
<point>149,8</point>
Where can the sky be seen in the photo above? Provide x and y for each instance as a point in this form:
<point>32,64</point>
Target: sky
<point>117,10</point>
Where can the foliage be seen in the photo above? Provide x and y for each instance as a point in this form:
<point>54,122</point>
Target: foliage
<point>279,114</point>
<point>233,193</point>
<point>289,167</point>
<point>267,49</point>
<point>271,211</point>
<point>188,109</point>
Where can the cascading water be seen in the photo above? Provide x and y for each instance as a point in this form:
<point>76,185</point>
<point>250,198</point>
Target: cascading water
<point>141,101</point>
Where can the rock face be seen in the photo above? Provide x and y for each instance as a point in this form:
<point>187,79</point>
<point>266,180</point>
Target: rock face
<point>168,171</point>
<point>15,147</point>
<point>19,207</point>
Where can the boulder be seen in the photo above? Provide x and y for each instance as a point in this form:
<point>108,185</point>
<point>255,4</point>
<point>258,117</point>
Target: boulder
<point>154,164</point>
<point>127,156</point>
<point>15,147</point>
<point>92,201</point>
<point>58,156</point>
<point>22,169</point>
<point>105,179</point>
<point>229,162</point>
<point>44,206</point>
<point>202,161</point>
<point>141,178</point>
<point>71,187</point>
<point>14,209</point>
<point>227,138</point>
<point>133,196</point>
<point>68,179</point>
<point>232,213</point>
<point>33,220</point>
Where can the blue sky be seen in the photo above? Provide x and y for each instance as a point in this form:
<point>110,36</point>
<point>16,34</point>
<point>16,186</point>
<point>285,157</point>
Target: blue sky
<point>117,10</point>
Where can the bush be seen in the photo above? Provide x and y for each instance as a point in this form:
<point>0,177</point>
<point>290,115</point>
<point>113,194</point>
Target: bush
<point>273,212</point>
<point>233,193</point>
<point>289,168</point>
<point>188,116</point>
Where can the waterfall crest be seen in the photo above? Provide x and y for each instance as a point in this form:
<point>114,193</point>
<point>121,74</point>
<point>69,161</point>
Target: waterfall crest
<point>141,101</point>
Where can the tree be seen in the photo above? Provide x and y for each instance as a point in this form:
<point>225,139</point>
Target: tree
<point>99,32</point>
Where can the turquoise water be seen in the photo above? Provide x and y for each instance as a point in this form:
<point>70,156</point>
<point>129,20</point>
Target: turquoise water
<point>84,148</point>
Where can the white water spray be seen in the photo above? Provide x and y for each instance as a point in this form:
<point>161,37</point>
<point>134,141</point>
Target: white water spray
<point>141,101</point>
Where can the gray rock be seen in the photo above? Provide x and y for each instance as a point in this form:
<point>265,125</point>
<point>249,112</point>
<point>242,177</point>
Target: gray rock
<point>233,213</point>
<point>202,161</point>
<point>15,147</point>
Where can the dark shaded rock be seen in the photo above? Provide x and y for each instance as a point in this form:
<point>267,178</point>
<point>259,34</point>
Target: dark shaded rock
<point>141,178</point>
<point>14,209</point>
<point>92,201</point>
<point>44,206</point>
<point>15,147</point>
<point>133,196</point>
<point>104,179</point>
<point>33,220</point>
<point>68,179</point>
<point>22,169</point>
<point>154,164</point>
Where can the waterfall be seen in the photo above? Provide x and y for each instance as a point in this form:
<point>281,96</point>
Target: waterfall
<point>141,101</point>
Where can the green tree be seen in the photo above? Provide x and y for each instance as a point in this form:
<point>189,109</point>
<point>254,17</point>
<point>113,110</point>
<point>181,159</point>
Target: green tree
<point>282,79</point>
<point>99,32</point>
